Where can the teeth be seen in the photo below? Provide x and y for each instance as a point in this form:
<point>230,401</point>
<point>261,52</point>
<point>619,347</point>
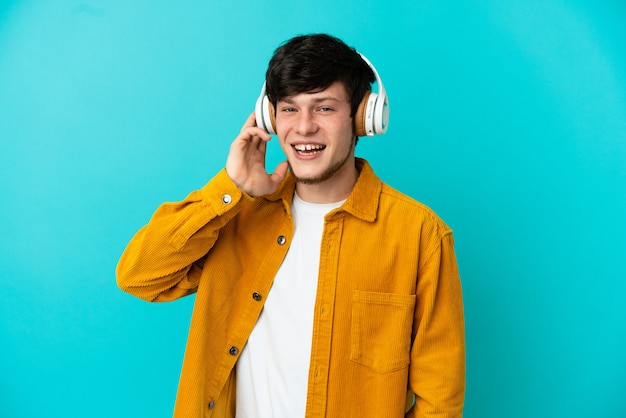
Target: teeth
<point>308,147</point>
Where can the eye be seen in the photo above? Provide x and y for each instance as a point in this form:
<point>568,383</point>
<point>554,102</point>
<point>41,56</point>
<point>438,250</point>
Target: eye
<point>287,109</point>
<point>325,109</point>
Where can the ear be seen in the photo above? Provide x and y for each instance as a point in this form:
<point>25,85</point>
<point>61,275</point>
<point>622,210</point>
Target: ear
<point>359,116</point>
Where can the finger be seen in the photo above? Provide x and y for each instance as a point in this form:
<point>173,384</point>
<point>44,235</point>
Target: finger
<point>250,121</point>
<point>280,172</point>
<point>255,141</point>
<point>252,131</point>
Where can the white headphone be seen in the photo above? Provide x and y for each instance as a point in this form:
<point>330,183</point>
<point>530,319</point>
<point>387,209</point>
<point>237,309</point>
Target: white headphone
<point>371,117</point>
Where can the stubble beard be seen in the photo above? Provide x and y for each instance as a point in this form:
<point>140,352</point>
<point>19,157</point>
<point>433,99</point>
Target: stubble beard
<point>330,171</point>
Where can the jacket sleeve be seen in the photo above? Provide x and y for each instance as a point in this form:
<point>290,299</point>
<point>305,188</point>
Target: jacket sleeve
<point>164,260</point>
<point>437,370</point>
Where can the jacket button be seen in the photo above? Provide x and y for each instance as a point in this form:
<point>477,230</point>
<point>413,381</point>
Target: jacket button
<point>226,199</point>
<point>281,240</point>
<point>233,351</point>
<point>211,405</point>
<point>256,296</point>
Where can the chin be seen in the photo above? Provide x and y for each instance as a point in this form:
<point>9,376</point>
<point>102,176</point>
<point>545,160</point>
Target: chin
<point>304,170</point>
<point>306,177</point>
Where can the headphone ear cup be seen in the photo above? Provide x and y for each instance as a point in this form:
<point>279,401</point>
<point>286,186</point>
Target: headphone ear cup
<point>381,115</point>
<point>359,116</point>
<point>272,114</point>
<point>269,122</point>
<point>364,117</point>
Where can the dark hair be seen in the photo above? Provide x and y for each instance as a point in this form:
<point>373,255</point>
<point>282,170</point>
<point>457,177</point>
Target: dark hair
<point>312,63</point>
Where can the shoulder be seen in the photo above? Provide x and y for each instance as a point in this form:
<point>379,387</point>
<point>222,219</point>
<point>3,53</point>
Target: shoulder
<point>376,200</point>
<point>402,208</point>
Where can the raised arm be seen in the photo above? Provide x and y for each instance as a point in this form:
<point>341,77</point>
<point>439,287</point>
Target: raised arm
<point>164,260</point>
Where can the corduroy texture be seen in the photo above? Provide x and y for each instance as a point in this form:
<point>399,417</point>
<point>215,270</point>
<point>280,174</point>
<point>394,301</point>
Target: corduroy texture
<point>388,315</point>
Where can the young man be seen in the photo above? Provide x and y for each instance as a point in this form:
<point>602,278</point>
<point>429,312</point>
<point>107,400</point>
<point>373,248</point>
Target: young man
<point>320,291</point>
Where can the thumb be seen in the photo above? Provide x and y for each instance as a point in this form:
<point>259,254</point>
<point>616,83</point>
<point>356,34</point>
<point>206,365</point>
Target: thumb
<point>280,172</point>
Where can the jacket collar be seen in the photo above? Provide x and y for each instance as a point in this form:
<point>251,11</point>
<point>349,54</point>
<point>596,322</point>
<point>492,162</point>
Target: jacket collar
<point>362,202</point>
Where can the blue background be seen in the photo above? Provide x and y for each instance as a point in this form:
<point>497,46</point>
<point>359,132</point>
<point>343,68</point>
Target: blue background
<point>507,118</point>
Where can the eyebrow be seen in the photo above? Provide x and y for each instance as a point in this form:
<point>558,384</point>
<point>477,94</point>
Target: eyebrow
<point>315,100</point>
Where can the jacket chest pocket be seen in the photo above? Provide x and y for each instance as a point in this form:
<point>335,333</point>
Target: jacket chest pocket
<point>380,333</point>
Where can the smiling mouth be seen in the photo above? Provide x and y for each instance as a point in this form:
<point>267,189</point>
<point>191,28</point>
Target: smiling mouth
<point>308,149</point>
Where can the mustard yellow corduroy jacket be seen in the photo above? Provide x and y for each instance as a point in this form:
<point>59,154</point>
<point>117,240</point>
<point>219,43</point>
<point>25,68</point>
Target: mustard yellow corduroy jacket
<point>388,328</point>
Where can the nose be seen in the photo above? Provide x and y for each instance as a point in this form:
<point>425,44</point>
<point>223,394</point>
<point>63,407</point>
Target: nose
<point>306,123</point>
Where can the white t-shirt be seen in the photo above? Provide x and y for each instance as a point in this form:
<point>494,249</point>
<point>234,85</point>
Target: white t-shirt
<point>273,368</point>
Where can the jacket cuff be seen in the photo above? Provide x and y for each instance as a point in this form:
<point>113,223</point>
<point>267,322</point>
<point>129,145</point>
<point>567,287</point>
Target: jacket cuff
<point>221,194</point>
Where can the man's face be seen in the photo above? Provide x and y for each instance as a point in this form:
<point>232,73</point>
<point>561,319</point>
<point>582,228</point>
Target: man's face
<point>316,134</point>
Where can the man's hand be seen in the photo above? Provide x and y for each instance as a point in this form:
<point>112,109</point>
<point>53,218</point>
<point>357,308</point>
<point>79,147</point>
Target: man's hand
<point>245,164</point>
